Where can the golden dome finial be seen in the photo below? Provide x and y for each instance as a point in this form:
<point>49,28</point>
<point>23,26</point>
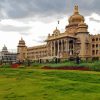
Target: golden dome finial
<point>76,9</point>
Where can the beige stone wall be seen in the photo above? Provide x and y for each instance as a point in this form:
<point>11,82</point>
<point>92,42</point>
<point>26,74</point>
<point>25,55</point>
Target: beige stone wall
<point>95,44</point>
<point>22,53</point>
<point>37,52</point>
<point>85,45</point>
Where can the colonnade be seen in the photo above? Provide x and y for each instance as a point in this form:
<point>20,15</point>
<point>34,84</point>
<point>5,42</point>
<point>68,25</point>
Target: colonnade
<point>58,47</point>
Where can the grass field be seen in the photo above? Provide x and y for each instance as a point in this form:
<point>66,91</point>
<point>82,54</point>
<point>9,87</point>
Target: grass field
<point>32,84</point>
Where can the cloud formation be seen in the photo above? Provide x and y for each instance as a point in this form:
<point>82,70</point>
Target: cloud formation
<point>11,28</point>
<point>33,8</point>
<point>93,19</point>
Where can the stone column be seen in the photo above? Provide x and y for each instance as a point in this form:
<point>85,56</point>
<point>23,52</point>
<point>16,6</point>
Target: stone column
<point>58,47</point>
<point>61,46</point>
<point>51,47</point>
<point>66,45</point>
<point>61,54</point>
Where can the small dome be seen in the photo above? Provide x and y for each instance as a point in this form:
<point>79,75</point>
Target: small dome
<point>4,49</point>
<point>56,31</point>
<point>21,41</point>
<point>76,17</point>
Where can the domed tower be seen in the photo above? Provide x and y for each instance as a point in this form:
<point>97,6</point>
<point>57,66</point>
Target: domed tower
<point>22,50</point>
<point>4,50</point>
<point>74,20</point>
<point>83,35</point>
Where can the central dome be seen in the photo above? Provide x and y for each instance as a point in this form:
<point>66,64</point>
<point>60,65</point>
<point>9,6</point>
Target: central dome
<point>76,17</point>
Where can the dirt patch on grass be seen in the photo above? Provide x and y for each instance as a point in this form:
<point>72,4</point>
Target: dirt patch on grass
<point>67,68</point>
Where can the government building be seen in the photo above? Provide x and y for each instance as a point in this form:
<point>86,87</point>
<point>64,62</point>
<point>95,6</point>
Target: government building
<point>74,41</point>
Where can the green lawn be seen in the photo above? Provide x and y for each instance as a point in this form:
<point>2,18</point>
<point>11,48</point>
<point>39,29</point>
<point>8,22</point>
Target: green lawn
<point>37,84</point>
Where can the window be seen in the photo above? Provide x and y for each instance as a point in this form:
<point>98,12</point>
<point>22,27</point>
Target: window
<point>93,39</point>
<point>93,46</point>
<point>96,45</point>
<point>93,52</point>
<point>96,39</point>
<point>96,52</point>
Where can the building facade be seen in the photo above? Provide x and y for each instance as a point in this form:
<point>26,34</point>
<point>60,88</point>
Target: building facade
<point>95,46</point>
<point>74,41</point>
<point>7,57</point>
<point>37,52</point>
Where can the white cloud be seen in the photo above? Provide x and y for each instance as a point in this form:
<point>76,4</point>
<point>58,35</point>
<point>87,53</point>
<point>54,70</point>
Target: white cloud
<point>36,19</point>
<point>93,25</point>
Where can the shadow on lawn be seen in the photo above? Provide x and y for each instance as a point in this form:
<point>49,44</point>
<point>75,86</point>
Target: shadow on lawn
<point>67,68</point>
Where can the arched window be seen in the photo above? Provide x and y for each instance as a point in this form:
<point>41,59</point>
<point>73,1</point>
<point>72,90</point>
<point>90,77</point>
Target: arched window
<point>96,39</point>
<point>93,46</point>
<point>93,39</point>
<point>93,52</point>
<point>96,45</point>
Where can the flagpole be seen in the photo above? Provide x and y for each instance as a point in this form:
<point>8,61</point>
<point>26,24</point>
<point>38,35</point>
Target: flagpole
<point>58,24</point>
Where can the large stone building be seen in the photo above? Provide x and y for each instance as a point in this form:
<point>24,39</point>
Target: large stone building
<point>76,40</point>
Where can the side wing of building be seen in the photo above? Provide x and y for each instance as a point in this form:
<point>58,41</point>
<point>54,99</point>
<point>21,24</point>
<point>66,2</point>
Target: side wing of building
<point>37,52</point>
<point>95,46</point>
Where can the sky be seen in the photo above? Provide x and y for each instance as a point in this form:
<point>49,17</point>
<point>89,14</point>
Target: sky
<point>33,20</point>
